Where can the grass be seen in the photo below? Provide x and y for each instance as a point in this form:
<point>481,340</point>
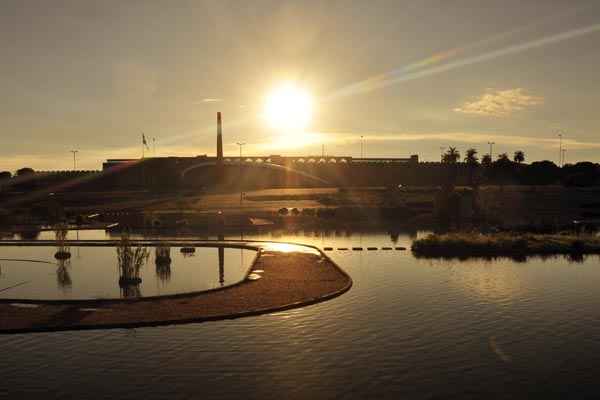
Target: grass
<point>130,261</point>
<point>60,233</point>
<point>504,244</point>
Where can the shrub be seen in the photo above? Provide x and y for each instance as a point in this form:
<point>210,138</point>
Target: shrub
<point>130,261</point>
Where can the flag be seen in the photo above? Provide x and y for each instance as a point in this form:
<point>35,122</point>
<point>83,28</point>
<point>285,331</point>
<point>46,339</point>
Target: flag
<point>144,141</point>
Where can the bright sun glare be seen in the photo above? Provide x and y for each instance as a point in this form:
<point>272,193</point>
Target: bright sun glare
<point>288,108</point>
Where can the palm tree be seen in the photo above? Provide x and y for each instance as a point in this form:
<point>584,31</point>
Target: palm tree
<point>519,156</point>
<point>471,157</point>
<point>486,160</point>
<point>472,162</point>
<point>451,156</point>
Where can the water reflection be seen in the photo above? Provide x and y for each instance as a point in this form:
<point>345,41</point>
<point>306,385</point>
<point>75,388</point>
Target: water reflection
<point>31,233</point>
<point>63,278</point>
<point>162,260</point>
<point>221,251</point>
<point>32,272</point>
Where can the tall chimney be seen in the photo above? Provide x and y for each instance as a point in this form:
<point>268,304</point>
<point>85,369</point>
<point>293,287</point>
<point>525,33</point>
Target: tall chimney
<point>219,140</point>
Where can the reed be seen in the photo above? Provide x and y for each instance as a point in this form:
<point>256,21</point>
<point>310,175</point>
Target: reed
<point>130,261</point>
<point>62,249</point>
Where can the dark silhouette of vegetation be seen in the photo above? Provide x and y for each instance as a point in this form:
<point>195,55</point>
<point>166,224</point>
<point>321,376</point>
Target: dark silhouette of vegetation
<point>25,171</point>
<point>471,157</point>
<point>60,234</point>
<point>540,173</point>
<point>581,174</point>
<point>63,278</point>
<point>162,260</point>
<point>502,170</point>
<point>504,244</point>
<point>519,157</point>
<point>451,156</point>
<point>486,160</point>
<point>472,162</point>
<point>129,263</point>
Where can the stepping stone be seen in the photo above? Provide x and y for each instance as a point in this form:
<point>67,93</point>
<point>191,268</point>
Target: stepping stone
<point>357,248</point>
<point>342,248</point>
<point>400,248</point>
<point>327,248</point>
<point>386,248</point>
<point>371,248</point>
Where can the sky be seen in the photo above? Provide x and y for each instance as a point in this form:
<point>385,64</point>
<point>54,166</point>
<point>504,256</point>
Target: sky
<point>409,77</point>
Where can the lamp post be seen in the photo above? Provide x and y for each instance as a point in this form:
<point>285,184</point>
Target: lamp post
<point>241,192</point>
<point>362,147</point>
<point>74,158</point>
<point>560,153</point>
<point>491,147</point>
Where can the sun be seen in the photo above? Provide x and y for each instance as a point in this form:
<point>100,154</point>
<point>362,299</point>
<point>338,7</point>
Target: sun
<point>288,108</point>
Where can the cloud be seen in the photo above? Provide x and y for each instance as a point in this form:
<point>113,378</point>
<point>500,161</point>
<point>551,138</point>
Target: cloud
<point>501,103</point>
<point>212,100</point>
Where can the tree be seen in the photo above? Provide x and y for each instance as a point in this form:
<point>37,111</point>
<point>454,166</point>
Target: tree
<point>503,159</point>
<point>486,160</point>
<point>519,156</point>
<point>451,156</point>
<point>25,171</point>
<point>471,157</point>
<point>541,173</point>
<point>5,175</point>
<point>502,170</point>
<point>472,162</point>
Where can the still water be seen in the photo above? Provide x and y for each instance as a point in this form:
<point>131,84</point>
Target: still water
<point>92,272</point>
<point>408,328</point>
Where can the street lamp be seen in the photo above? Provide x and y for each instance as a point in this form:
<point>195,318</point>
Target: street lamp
<point>362,144</point>
<point>241,192</point>
<point>74,158</point>
<point>560,152</point>
<point>491,147</point>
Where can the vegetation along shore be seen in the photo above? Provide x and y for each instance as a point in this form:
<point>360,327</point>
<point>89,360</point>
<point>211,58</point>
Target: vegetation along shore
<point>504,245</point>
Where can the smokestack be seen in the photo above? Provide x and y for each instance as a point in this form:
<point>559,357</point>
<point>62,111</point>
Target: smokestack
<point>219,140</point>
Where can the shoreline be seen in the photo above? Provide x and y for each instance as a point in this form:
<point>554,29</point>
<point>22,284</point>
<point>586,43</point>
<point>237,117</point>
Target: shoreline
<point>289,280</point>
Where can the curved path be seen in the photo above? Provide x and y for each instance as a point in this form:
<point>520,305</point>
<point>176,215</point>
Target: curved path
<point>292,276</point>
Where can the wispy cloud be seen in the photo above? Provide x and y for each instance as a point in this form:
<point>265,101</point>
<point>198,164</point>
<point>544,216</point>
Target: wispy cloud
<point>501,103</point>
<point>212,100</point>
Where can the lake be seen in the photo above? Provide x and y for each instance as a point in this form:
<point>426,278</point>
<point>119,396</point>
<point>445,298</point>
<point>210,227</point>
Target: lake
<point>408,328</point>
